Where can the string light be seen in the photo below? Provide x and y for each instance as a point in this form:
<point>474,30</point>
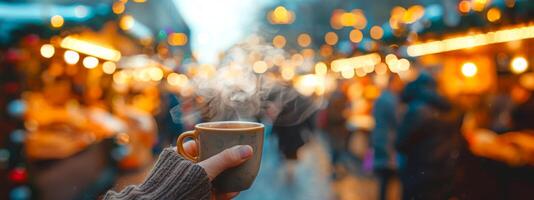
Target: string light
<point>90,48</point>
<point>471,41</point>
<point>355,62</point>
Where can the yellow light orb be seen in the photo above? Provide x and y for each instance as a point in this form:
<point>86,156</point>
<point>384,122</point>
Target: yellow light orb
<point>109,67</point>
<point>279,41</point>
<point>71,57</point>
<point>90,62</point>
<point>376,32</point>
<point>469,69</point>
<point>155,73</point>
<point>177,39</point>
<point>493,14</point>
<point>260,67</point>
<point>118,7</point>
<point>57,21</point>
<point>331,38</point>
<point>288,73</point>
<point>464,6</point>
<point>304,40</point>
<point>321,69</point>
<point>519,65</point>
<point>126,22</point>
<point>355,36</point>
<point>403,65</point>
<point>47,50</point>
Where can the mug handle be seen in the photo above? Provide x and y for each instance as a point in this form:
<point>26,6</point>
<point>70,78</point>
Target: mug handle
<point>179,144</point>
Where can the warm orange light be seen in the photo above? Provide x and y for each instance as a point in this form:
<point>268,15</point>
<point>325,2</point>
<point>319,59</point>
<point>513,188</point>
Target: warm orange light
<point>177,39</point>
<point>304,40</point>
<point>126,22</point>
<point>280,15</point>
<point>47,50</point>
<point>493,14</point>
<point>478,5</point>
<point>464,6</point>
<point>361,21</point>
<point>330,38</point>
<point>355,36</point>
<point>381,68</point>
<point>57,21</point>
<point>118,7</point>
<point>326,50</point>
<point>376,32</point>
<point>413,14</point>
<point>509,3</point>
<point>279,41</point>
<point>348,19</point>
<point>139,1</point>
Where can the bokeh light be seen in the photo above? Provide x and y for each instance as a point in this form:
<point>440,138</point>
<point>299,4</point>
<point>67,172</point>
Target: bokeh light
<point>279,41</point>
<point>109,67</point>
<point>469,69</point>
<point>57,21</point>
<point>519,65</point>
<point>330,38</point>
<point>355,36</point>
<point>71,57</point>
<point>90,62</point>
<point>47,50</point>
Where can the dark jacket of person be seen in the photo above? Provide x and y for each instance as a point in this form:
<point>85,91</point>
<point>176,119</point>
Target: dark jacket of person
<point>428,138</point>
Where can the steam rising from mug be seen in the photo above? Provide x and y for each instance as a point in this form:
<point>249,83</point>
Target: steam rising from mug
<point>236,92</point>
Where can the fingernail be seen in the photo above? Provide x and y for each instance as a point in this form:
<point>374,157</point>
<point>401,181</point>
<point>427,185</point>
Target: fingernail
<point>245,151</point>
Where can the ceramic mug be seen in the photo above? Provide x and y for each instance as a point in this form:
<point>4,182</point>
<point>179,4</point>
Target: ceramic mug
<point>214,137</point>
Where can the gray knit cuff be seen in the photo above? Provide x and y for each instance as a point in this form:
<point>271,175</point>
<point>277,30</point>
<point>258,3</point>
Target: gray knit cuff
<point>172,177</point>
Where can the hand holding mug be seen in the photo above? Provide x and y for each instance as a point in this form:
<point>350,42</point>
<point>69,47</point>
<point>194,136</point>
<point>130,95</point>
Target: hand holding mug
<point>216,164</point>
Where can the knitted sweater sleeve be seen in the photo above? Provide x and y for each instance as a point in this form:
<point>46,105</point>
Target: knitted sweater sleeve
<point>171,178</point>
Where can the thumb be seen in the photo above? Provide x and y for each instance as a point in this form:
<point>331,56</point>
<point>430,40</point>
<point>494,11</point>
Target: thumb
<point>226,159</point>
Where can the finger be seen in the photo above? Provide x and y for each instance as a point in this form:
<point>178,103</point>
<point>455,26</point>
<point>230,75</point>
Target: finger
<point>191,148</point>
<point>226,196</point>
<point>226,159</point>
